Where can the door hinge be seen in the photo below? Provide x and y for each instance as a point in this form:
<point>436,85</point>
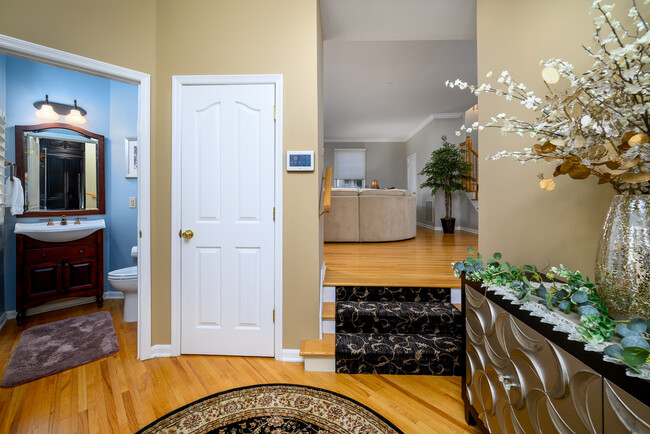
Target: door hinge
<point>140,234</point>
<point>273,213</point>
<point>274,315</point>
<point>273,112</point>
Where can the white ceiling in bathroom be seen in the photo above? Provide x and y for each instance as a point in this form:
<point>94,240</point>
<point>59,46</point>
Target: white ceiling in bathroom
<point>386,61</point>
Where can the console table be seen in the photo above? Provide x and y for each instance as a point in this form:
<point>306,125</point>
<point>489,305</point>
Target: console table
<point>521,376</point>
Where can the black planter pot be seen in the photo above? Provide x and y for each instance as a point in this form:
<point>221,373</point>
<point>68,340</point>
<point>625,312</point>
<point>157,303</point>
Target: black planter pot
<point>448,225</point>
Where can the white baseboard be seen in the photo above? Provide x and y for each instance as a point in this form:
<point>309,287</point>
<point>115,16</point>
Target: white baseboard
<point>455,296</point>
<point>291,356</point>
<point>161,351</point>
<point>3,319</point>
<point>470,230</point>
<point>11,314</point>
<point>113,295</point>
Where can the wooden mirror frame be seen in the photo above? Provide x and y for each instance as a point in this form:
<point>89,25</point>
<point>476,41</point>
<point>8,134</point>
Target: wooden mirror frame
<point>20,166</point>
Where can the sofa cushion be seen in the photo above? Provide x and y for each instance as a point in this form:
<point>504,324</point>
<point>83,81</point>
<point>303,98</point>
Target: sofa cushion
<point>345,192</point>
<point>386,218</point>
<point>378,192</point>
<point>342,222</point>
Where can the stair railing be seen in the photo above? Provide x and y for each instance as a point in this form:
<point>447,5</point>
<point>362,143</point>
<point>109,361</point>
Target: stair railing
<point>471,156</point>
<point>326,191</point>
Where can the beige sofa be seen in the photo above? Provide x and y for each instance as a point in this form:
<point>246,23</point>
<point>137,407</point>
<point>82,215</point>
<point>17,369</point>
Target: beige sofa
<point>369,215</point>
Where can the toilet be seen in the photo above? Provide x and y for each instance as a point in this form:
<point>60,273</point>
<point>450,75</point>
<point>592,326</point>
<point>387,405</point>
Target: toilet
<point>126,281</point>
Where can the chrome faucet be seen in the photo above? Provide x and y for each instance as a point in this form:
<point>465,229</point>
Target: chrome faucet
<point>64,221</point>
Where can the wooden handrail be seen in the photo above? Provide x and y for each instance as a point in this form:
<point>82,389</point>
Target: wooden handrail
<point>471,156</point>
<point>327,196</point>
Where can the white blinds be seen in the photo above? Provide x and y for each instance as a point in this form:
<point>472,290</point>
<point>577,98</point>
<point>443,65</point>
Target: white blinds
<point>3,158</point>
<point>349,163</point>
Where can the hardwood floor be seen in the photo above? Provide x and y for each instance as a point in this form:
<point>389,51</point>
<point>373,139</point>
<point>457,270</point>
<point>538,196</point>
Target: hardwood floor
<point>422,261</point>
<point>122,394</point>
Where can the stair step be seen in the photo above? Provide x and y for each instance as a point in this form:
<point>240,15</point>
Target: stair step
<point>318,347</point>
<point>396,317</point>
<point>329,309</point>
<point>392,293</point>
<point>409,354</point>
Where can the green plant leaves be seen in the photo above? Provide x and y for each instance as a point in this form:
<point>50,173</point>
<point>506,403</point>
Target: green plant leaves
<point>634,341</point>
<point>579,297</point>
<point>614,350</point>
<point>635,356</point>
<point>638,325</point>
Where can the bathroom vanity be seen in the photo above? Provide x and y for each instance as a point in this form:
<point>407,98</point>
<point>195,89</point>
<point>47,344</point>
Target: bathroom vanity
<point>49,271</point>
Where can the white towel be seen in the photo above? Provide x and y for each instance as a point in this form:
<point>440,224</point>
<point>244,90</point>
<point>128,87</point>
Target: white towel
<point>17,195</point>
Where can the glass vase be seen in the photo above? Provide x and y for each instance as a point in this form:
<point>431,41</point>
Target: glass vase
<point>623,259</point>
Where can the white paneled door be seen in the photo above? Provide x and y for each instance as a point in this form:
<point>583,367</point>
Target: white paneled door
<point>227,175</point>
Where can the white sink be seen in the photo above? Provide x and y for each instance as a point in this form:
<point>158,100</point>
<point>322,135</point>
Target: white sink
<point>59,233</point>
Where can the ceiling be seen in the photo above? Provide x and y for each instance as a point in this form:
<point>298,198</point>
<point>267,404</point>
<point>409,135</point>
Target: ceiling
<point>386,61</point>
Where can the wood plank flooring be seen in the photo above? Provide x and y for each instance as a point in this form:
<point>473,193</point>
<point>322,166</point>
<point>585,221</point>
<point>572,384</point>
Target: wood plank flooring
<point>122,394</point>
<point>423,261</point>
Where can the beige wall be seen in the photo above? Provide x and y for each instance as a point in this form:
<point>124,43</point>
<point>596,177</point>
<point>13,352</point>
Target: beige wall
<point>165,38</point>
<point>516,217</point>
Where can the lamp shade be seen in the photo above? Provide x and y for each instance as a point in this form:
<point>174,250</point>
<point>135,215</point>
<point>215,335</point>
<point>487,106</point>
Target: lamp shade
<point>47,112</point>
<point>75,117</point>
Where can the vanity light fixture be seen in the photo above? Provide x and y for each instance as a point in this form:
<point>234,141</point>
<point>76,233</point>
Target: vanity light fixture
<point>51,111</point>
<point>75,115</point>
<point>45,110</point>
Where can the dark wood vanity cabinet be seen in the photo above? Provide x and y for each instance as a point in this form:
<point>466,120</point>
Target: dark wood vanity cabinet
<point>52,271</point>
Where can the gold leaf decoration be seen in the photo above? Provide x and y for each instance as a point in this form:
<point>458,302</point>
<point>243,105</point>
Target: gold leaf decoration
<point>548,147</point>
<point>558,142</point>
<point>638,139</point>
<point>537,149</point>
<point>627,164</point>
<point>566,167</point>
<point>604,179</point>
<point>635,178</point>
<point>627,136</point>
<point>613,164</point>
<point>547,184</point>
<point>579,171</point>
<point>550,159</point>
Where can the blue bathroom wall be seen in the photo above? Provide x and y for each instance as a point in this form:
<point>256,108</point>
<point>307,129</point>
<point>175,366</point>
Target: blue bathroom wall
<point>28,82</point>
<point>3,107</point>
<point>122,219</point>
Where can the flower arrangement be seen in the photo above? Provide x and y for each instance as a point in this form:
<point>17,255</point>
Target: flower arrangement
<point>600,125</point>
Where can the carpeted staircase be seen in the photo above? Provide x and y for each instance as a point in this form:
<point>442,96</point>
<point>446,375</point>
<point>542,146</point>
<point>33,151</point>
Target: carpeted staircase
<point>390,330</point>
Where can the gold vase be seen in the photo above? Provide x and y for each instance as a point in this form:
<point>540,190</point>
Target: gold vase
<point>623,259</point>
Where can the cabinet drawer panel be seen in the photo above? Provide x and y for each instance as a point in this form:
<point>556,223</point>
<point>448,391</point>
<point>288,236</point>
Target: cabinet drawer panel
<point>33,256</point>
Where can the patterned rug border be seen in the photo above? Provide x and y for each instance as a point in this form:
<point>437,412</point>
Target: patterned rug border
<point>253,386</point>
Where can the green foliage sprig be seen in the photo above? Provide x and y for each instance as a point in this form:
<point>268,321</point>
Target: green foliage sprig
<point>568,291</point>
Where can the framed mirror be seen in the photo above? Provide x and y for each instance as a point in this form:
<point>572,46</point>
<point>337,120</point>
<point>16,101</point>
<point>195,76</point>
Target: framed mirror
<point>62,169</point>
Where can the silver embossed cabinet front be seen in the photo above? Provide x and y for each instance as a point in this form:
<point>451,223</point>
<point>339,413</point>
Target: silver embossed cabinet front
<point>518,381</point>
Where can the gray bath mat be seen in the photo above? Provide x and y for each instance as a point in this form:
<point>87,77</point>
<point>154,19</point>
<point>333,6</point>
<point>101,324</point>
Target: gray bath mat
<point>50,348</point>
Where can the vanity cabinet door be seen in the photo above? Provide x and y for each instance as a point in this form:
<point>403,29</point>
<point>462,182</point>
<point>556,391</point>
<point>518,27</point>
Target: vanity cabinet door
<point>80,274</point>
<point>42,280</point>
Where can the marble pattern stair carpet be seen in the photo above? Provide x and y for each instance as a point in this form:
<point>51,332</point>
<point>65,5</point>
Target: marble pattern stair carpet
<point>397,330</point>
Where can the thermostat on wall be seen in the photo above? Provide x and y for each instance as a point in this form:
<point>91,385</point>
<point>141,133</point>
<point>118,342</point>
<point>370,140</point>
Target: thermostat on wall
<point>300,161</point>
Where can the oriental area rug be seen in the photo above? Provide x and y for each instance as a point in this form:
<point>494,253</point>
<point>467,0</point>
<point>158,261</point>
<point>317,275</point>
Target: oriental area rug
<point>57,346</point>
<point>273,408</point>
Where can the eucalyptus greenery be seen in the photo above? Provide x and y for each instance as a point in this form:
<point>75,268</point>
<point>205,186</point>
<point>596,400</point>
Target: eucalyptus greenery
<point>447,170</point>
<point>568,291</point>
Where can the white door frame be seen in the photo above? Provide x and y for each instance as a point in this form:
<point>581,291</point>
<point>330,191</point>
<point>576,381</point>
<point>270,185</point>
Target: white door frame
<point>178,81</point>
<point>408,181</point>
<point>39,53</point>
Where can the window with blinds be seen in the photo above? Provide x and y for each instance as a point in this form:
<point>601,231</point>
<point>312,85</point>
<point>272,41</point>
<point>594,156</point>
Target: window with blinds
<point>350,167</point>
<point>3,158</point>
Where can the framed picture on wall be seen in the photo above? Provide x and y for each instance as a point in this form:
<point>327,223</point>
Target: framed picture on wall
<point>131,147</point>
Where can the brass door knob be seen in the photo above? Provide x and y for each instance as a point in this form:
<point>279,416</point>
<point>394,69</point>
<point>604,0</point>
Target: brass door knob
<point>187,234</point>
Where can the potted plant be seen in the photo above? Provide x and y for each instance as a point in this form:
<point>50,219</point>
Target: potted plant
<point>447,170</point>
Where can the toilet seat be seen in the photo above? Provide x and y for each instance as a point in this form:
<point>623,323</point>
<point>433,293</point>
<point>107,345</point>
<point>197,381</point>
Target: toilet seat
<point>124,273</point>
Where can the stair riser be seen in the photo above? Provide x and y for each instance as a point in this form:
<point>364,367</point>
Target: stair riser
<point>395,317</point>
<point>375,293</point>
<point>405,355</point>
